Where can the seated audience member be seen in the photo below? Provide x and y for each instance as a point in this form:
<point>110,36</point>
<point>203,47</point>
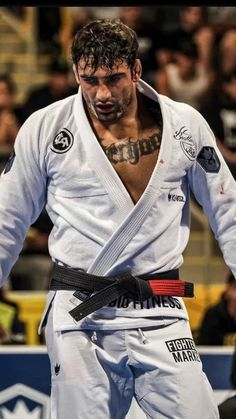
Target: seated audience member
<point>185,79</point>
<point>11,328</point>
<point>56,88</point>
<point>219,109</point>
<point>147,35</point>
<point>227,409</point>
<point>193,26</point>
<point>10,116</point>
<point>227,51</point>
<point>218,326</point>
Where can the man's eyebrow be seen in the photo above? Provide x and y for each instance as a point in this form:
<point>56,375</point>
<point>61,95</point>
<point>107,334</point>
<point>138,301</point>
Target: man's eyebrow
<point>87,76</point>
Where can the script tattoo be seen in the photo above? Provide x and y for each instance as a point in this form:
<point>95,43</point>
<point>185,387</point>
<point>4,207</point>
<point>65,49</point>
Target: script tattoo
<point>131,151</point>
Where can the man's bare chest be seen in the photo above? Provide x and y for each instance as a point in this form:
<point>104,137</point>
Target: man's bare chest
<point>134,159</point>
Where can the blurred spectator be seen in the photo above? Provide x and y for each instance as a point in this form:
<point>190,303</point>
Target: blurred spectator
<point>11,328</point>
<point>56,88</point>
<point>147,36</point>
<point>193,26</point>
<point>227,409</point>
<point>185,79</point>
<point>33,267</point>
<point>227,52</point>
<point>219,109</point>
<point>218,326</point>
<point>10,114</point>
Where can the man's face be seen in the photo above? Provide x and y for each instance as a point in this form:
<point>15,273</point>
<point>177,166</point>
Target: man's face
<point>107,93</point>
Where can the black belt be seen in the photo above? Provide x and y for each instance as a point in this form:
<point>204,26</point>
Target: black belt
<point>108,288</point>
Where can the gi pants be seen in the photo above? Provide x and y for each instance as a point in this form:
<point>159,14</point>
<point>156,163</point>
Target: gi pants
<point>95,374</point>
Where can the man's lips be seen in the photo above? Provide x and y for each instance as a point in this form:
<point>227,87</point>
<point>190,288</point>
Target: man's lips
<point>105,107</point>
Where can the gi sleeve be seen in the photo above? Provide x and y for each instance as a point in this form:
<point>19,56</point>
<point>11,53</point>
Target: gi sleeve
<point>215,190</point>
<point>22,195</point>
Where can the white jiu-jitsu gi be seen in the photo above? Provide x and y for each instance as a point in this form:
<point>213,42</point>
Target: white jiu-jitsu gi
<point>58,162</point>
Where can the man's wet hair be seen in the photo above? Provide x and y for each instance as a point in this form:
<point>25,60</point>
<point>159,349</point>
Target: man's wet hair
<point>105,43</point>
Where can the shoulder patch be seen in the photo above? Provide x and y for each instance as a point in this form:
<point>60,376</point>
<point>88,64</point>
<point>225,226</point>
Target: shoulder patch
<point>208,159</point>
<point>10,162</point>
<point>63,141</point>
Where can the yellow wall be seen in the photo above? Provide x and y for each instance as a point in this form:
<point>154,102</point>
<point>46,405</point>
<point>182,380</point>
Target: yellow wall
<point>205,296</point>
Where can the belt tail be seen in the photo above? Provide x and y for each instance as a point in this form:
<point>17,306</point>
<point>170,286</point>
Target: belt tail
<point>96,301</point>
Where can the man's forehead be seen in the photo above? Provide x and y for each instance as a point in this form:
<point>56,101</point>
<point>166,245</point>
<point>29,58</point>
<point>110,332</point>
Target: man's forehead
<point>87,68</point>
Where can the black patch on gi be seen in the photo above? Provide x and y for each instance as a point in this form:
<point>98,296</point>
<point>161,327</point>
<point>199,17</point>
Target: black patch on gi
<point>208,159</point>
<point>63,141</point>
<point>9,162</point>
<point>57,368</point>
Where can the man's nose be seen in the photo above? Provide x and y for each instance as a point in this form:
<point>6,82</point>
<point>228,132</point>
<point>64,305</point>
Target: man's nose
<point>103,92</point>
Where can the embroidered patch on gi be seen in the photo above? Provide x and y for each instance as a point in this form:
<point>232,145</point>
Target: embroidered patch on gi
<point>186,142</point>
<point>63,141</point>
<point>208,159</point>
<point>10,162</point>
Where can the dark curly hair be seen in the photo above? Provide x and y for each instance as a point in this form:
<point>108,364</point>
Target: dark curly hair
<point>105,42</point>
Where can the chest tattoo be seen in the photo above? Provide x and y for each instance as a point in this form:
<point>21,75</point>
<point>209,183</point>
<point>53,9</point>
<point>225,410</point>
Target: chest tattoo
<point>130,150</point>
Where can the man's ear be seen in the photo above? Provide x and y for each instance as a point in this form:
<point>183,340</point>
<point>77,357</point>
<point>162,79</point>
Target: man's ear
<point>137,70</point>
<point>76,73</point>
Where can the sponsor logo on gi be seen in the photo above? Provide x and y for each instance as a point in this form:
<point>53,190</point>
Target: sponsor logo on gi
<point>183,350</point>
<point>156,301</point>
<point>22,402</point>
<point>186,142</point>
<point>173,197</point>
<point>63,141</point>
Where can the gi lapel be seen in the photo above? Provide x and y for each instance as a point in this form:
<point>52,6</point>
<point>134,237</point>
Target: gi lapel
<point>107,175</point>
<point>134,215</point>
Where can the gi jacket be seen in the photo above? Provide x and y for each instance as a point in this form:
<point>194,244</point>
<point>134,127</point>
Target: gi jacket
<point>59,162</point>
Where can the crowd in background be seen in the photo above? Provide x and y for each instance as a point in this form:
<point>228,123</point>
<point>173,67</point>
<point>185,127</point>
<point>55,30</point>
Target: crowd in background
<point>187,53</point>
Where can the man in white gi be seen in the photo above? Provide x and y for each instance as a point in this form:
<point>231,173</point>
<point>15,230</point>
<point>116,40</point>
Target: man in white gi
<point>114,165</point>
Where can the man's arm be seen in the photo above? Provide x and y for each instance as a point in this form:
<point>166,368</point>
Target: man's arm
<point>22,195</point>
<point>215,189</point>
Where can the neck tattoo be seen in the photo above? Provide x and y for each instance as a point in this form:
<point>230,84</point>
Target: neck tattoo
<point>130,150</point>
